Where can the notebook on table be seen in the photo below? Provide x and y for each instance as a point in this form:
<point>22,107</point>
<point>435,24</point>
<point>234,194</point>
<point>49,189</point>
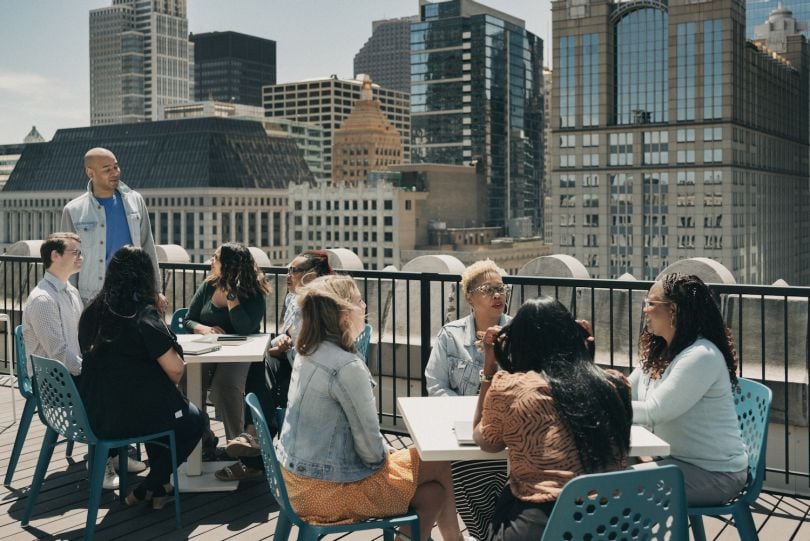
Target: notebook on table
<point>464,432</point>
<point>198,348</point>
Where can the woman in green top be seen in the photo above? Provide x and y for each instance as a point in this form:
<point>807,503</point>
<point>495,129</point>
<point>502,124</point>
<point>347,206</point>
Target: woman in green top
<point>230,301</point>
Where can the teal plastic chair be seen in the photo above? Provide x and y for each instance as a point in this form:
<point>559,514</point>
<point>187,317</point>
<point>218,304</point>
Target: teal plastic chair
<point>362,342</point>
<point>62,410</point>
<point>752,401</point>
<point>27,392</point>
<point>628,504</point>
<point>178,318</point>
<point>286,514</point>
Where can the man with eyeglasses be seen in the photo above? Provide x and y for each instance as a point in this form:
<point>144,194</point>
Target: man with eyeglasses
<point>107,216</point>
<point>50,319</point>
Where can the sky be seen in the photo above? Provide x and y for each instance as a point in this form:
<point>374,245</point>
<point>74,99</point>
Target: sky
<point>44,65</point>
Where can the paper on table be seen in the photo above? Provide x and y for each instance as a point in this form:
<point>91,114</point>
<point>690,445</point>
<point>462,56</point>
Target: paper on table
<point>464,432</point>
<point>215,339</point>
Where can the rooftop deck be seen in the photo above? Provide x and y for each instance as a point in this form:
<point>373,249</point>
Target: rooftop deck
<point>249,513</point>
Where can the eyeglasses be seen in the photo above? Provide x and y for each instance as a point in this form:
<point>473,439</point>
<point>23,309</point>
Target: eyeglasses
<point>491,290</point>
<point>651,304</point>
<point>77,252</point>
<point>296,270</point>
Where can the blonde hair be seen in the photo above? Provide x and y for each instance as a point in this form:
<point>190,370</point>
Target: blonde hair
<point>475,271</point>
<point>324,301</point>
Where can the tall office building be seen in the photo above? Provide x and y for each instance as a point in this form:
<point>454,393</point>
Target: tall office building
<point>673,137</point>
<point>327,102</point>
<point>140,59</point>
<point>232,67</point>
<point>477,96</point>
<point>758,11</point>
<point>386,55</point>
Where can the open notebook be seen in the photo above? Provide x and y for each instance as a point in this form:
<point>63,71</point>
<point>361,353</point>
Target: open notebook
<point>198,348</point>
<point>464,432</point>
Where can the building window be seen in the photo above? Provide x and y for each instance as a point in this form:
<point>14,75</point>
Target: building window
<point>712,69</point>
<point>567,75</point>
<point>590,80</point>
<point>685,70</point>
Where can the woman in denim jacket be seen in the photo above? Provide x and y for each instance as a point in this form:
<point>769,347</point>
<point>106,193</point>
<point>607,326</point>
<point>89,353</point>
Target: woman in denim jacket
<point>454,368</point>
<point>335,462</point>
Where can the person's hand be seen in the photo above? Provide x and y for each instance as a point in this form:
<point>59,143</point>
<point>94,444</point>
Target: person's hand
<point>488,342</point>
<point>205,329</point>
<point>162,303</point>
<point>281,346</point>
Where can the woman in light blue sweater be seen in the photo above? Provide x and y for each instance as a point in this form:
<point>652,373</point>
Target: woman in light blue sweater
<point>682,389</point>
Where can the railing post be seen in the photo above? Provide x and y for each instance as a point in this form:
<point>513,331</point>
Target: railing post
<point>424,322</point>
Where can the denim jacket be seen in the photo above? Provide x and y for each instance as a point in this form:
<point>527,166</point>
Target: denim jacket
<point>455,362</point>
<point>85,216</point>
<point>331,430</point>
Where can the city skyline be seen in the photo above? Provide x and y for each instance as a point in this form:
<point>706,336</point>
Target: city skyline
<point>51,91</point>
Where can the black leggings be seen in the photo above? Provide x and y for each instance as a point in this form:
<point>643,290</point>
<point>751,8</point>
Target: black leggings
<point>270,382</point>
<point>516,520</point>
<point>187,432</point>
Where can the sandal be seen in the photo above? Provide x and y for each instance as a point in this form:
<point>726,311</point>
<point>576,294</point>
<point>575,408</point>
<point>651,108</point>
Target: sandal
<point>244,444</point>
<point>158,498</point>
<point>237,472</point>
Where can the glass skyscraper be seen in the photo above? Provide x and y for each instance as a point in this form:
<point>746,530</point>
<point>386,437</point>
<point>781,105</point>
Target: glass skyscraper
<point>476,98</point>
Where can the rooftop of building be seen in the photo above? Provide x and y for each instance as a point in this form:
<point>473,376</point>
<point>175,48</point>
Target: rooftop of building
<point>190,153</point>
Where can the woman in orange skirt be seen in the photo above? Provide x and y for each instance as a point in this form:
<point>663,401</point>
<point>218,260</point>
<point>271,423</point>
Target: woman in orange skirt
<point>335,462</point>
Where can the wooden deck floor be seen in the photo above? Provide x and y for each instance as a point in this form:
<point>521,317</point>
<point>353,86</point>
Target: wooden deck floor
<point>249,513</point>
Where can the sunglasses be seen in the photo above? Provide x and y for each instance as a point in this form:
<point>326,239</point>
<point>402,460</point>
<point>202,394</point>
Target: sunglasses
<point>651,304</point>
<point>492,290</point>
<point>296,270</point>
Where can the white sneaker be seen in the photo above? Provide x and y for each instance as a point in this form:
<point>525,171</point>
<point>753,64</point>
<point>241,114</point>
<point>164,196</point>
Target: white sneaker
<point>111,481</point>
<point>133,465</point>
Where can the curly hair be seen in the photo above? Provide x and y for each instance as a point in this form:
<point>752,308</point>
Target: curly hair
<point>696,315</point>
<point>238,272</point>
<point>593,403</point>
<point>129,287</point>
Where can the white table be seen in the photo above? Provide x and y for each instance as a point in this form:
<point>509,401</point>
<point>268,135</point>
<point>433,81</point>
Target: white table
<point>430,423</point>
<point>196,475</point>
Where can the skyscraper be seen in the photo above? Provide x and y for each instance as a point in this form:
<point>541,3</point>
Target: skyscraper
<point>758,11</point>
<point>140,59</point>
<point>476,96</point>
<point>386,55</point>
<point>673,137</point>
<point>232,67</point>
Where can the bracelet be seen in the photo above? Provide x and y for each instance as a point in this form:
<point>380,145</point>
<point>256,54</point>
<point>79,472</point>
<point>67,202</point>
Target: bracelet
<point>484,378</point>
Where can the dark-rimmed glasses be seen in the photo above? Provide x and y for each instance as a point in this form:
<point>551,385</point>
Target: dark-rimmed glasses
<point>296,270</point>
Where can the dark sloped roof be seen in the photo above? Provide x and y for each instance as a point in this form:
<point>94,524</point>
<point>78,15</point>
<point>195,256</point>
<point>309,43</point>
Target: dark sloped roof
<point>189,153</point>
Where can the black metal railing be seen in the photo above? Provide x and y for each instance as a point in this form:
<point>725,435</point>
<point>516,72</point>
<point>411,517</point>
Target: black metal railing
<point>771,327</point>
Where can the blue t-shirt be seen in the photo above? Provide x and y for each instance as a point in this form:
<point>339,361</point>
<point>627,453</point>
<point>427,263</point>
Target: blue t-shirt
<point>117,226</point>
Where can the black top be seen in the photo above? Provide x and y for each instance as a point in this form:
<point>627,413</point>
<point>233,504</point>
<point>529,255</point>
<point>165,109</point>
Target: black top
<point>245,318</point>
<point>125,390</point>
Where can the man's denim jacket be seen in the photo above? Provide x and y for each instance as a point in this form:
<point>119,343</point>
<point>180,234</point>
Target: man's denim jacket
<point>331,430</point>
<point>455,362</point>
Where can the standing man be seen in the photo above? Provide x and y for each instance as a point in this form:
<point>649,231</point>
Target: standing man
<point>108,216</point>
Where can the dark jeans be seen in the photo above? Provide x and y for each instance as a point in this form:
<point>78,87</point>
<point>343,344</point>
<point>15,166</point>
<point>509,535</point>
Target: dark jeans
<point>188,430</point>
<point>516,520</point>
<point>270,382</point>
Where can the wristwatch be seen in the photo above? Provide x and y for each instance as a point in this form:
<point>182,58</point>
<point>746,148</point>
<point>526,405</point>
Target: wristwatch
<point>483,378</point>
<point>231,296</point>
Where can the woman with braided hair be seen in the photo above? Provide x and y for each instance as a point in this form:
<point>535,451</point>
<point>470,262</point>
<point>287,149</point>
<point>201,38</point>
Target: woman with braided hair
<point>682,389</point>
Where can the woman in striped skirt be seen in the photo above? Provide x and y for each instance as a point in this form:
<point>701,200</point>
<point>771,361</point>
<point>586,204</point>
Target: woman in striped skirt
<point>454,369</point>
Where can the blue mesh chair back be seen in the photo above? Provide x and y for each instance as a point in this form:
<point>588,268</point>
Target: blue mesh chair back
<point>752,401</point>
<point>27,391</point>
<point>178,319</point>
<point>60,406</point>
<point>628,504</point>
<point>23,377</point>
<point>362,342</point>
<point>287,516</point>
<point>62,410</point>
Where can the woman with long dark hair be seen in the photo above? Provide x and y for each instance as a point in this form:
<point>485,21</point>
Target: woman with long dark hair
<point>558,413</point>
<point>230,301</point>
<point>682,388</point>
<point>130,370</point>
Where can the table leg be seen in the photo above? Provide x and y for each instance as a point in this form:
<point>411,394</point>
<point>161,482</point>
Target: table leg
<point>194,388</point>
